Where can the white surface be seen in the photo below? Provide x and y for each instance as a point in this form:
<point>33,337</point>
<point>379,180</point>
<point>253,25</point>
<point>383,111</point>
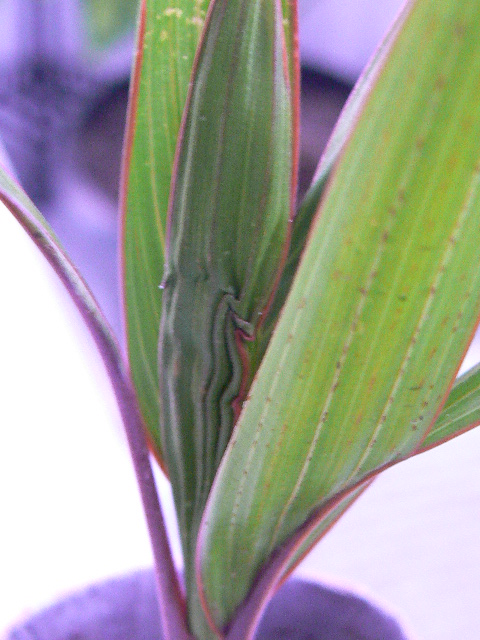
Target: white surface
<point>412,541</point>
<point>69,509</point>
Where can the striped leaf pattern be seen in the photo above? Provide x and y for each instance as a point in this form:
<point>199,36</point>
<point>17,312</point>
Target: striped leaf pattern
<point>167,39</point>
<point>227,236</point>
<point>308,208</point>
<point>168,36</point>
<point>382,308</point>
<point>460,413</point>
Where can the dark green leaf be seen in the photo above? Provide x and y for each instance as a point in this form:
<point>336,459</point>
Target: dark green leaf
<point>228,228</point>
<point>167,40</point>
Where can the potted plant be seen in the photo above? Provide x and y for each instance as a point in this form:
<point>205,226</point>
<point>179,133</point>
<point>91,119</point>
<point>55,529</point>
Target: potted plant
<point>280,357</point>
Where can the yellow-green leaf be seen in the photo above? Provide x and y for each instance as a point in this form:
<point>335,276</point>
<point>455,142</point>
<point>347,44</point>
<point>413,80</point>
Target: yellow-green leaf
<point>380,313</point>
<point>460,412</point>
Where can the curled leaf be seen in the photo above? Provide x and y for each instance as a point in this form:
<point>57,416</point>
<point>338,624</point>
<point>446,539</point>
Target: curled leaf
<point>228,230</point>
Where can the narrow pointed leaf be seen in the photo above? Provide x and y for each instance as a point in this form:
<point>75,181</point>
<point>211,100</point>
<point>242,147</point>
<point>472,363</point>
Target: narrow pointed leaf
<point>320,524</point>
<point>228,230</point>
<point>167,38</point>
<point>309,206</point>
<point>300,230</point>
<point>460,413</point>
<point>384,303</point>
<point>168,35</point>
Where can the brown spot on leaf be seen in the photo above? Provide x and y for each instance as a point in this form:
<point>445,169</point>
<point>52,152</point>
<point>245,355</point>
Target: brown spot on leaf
<point>460,29</point>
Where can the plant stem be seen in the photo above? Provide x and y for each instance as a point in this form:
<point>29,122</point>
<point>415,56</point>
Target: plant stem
<point>171,600</point>
<point>170,597</point>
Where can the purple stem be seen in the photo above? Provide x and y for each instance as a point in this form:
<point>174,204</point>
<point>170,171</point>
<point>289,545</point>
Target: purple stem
<point>171,599</point>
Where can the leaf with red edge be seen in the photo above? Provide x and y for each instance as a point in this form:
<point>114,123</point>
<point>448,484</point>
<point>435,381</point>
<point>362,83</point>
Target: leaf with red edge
<point>460,413</point>
<point>168,35</point>
<point>23,209</point>
<point>231,203</point>
<point>383,305</point>
<point>167,38</point>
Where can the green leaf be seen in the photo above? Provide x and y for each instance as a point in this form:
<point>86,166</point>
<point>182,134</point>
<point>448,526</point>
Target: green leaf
<point>384,302</point>
<point>245,622</point>
<point>309,207</point>
<point>460,412</point>
<point>167,40</point>
<point>321,523</point>
<point>168,36</point>
<point>228,228</point>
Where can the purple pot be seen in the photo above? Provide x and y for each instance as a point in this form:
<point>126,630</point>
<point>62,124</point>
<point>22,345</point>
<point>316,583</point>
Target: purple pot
<point>125,609</point>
